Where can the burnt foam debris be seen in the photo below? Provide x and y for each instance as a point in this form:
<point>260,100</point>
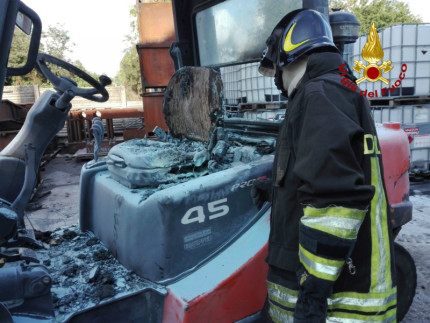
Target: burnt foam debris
<point>84,273</point>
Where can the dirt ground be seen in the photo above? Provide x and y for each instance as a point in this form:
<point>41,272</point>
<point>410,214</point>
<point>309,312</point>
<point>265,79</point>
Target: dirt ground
<point>415,237</point>
<point>56,204</point>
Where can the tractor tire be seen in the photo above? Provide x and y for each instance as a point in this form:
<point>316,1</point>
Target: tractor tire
<point>406,280</point>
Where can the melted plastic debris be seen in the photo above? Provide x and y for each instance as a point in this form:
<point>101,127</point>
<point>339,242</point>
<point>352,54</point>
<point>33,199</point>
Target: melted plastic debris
<point>154,165</point>
<point>227,148</point>
<point>84,273</point>
<point>149,154</point>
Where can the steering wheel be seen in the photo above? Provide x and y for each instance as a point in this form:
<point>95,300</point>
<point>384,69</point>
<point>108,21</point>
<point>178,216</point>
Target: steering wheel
<point>62,84</point>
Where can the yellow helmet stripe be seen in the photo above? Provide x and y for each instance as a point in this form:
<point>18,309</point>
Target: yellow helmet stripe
<point>288,45</point>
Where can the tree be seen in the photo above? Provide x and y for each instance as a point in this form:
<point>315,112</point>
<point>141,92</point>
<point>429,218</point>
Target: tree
<point>381,12</point>
<point>18,57</point>
<point>78,80</point>
<point>129,74</point>
<point>129,71</point>
<point>56,42</point>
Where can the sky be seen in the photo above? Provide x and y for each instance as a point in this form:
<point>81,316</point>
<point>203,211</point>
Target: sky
<point>98,27</point>
<point>420,8</point>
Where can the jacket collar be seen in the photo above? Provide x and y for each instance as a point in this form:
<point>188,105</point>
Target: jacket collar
<point>322,63</point>
<point>319,64</point>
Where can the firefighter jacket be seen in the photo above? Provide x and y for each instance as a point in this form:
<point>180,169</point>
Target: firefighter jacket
<point>329,209</point>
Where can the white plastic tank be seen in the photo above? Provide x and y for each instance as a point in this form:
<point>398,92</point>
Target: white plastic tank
<point>402,44</point>
<point>243,84</point>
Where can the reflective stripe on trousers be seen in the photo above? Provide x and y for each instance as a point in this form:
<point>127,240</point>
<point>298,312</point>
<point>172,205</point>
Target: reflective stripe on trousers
<point>346,307</point>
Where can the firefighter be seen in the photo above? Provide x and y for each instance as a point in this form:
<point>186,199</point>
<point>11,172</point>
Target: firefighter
<point>330,246</point>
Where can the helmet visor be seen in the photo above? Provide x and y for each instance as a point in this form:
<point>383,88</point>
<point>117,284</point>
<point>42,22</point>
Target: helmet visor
<point>270,55</point>
<point>266,67</point>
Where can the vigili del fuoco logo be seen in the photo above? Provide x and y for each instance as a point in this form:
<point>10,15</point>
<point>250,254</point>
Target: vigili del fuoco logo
<point>372,53</point>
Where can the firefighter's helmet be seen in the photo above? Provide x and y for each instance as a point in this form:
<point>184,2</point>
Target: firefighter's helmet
<point>299,32</point>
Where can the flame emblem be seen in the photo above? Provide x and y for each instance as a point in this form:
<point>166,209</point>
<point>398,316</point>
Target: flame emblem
<point>372,53</point>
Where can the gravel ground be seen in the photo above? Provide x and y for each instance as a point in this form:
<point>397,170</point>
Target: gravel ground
<point>415,237</point>
<point>56,206</point>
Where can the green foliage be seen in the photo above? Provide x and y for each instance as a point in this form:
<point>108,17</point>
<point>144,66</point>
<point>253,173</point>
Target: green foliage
<point>129,71</point>
<point>56,42</point>
<point>19,48</point>
<point>81,82</point>
<point>62,72</point>
<point>133,37</point>
<point>381,12</point>
<point>129,74</point>
<point>18,58</point>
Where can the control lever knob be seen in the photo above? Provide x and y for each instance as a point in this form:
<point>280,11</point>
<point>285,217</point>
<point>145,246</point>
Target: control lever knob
<point>64,101</point>
<point>105,80</point>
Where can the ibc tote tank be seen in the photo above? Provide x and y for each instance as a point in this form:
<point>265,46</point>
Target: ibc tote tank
<point>406,43</point>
